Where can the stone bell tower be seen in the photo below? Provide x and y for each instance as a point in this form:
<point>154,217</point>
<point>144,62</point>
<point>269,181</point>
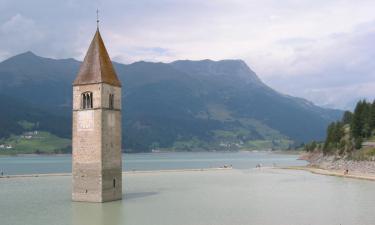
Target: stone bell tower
<point>96,167</point>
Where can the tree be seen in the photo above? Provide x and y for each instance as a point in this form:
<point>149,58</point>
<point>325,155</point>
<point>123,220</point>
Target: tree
<point>357,121</point>
<point>365,119</point>
<point>358,143</point>
<point>347,117</point>
<point>338,132</point>
<point>313,146</point>
<point>372,116</point>
<point>329,138</point>
<point>335,132</point>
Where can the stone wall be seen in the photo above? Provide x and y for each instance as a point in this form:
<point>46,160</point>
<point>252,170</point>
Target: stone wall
<point>96,142</point>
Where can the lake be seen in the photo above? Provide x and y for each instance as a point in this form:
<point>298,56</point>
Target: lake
<point>238,196</point>
<point>34,164</point>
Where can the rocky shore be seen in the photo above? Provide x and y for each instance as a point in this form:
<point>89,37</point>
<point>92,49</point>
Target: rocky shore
<point>336,163</point>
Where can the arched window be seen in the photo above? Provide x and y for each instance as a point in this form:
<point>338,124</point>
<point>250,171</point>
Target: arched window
<point>86,100</point>
<point>111,101</point>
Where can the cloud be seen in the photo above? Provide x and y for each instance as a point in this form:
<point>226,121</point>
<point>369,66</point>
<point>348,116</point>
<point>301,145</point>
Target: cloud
<point>18,33</point>
<point>142,54</point>
<point>335,70</point>
<point>313,49</point>
<point>17,25</point>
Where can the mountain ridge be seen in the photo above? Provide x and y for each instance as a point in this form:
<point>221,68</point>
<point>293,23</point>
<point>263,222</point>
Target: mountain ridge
<point>167,105</point>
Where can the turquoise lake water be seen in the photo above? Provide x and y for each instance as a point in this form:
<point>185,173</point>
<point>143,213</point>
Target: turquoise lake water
<point>241,196</point>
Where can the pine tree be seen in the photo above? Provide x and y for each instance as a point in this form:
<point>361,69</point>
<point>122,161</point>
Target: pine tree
<point>347,117</point>
<point>338,132</point>
<point>362,126</point>
<point>358,143</point>
<point>366,119</point>
<point>329,138</point>
<point>372,116</point>
<point>313,146</point>
<point>356,124</point>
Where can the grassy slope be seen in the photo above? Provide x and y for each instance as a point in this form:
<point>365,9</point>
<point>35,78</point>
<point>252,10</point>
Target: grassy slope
<point>43,142</point>
<point>247,134</point>
<point>366,153</point>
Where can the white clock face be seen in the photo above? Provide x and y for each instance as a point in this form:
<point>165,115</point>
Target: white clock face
<point>85,120</point>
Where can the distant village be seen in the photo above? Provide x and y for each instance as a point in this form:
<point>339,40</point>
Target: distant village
<point>5,146</point>
<point>26,135</point>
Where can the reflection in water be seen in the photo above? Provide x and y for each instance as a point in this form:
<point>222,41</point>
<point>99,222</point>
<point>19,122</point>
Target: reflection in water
<point>128,196</point>
<point>103,213</point>
<point>97,213</point>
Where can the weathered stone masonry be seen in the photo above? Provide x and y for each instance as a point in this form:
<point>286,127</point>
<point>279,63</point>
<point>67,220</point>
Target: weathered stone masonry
<point>96,129</point>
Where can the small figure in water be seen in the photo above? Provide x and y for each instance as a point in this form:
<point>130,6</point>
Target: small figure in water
<point>2,173</point>
<point>346,172</point>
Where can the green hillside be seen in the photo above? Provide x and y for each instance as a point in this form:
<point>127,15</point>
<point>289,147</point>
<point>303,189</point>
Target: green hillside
<point>34,142</point>
<point>184,105</point>
<point>353,136</point>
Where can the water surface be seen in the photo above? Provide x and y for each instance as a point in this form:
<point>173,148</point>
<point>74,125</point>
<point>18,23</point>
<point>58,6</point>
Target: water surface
<point>240,196</point>
<point>32,164</point>
<point>251,196</point>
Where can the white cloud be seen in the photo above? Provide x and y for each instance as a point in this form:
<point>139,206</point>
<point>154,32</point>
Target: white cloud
<point>335,70</point>
<point>305,48</point>
<point>19,33</point>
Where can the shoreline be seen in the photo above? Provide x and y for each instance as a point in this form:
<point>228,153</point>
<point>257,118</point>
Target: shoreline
<point>339,166</point>
<point>311,169</point>
<point>335,173</point>
<point>286,152</point>
<point>123,172</point>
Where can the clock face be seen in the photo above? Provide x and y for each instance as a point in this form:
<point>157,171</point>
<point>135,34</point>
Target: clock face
<point>85,120</point>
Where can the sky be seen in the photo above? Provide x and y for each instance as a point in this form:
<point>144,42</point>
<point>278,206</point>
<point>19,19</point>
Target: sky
<point>321,50</point>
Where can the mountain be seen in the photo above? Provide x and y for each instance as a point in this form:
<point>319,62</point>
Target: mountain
<point>17,116</point>
<point>182,105</point>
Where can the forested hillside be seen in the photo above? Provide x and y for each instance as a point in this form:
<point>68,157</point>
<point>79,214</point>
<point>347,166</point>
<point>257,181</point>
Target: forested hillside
<point>354,134</point>
<point>184,105</point>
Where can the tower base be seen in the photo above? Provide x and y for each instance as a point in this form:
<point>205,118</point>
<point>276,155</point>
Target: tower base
<point>90,184</point>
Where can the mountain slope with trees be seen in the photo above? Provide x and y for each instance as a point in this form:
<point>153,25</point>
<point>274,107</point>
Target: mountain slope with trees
<point>352,136</point>
<point>183,105</point>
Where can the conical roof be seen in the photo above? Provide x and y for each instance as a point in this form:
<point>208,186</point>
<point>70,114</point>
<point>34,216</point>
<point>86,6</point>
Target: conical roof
<point>97,66</point>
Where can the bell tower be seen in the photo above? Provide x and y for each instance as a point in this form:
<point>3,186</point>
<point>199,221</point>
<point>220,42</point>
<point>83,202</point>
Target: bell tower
<point>96,139</point>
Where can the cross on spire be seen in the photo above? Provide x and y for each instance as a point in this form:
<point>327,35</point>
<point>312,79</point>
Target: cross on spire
<point>97,18</point>
<point>97,66</point>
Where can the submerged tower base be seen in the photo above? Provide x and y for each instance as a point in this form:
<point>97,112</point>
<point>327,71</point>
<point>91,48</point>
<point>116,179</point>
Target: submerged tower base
<point>91,186</point>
